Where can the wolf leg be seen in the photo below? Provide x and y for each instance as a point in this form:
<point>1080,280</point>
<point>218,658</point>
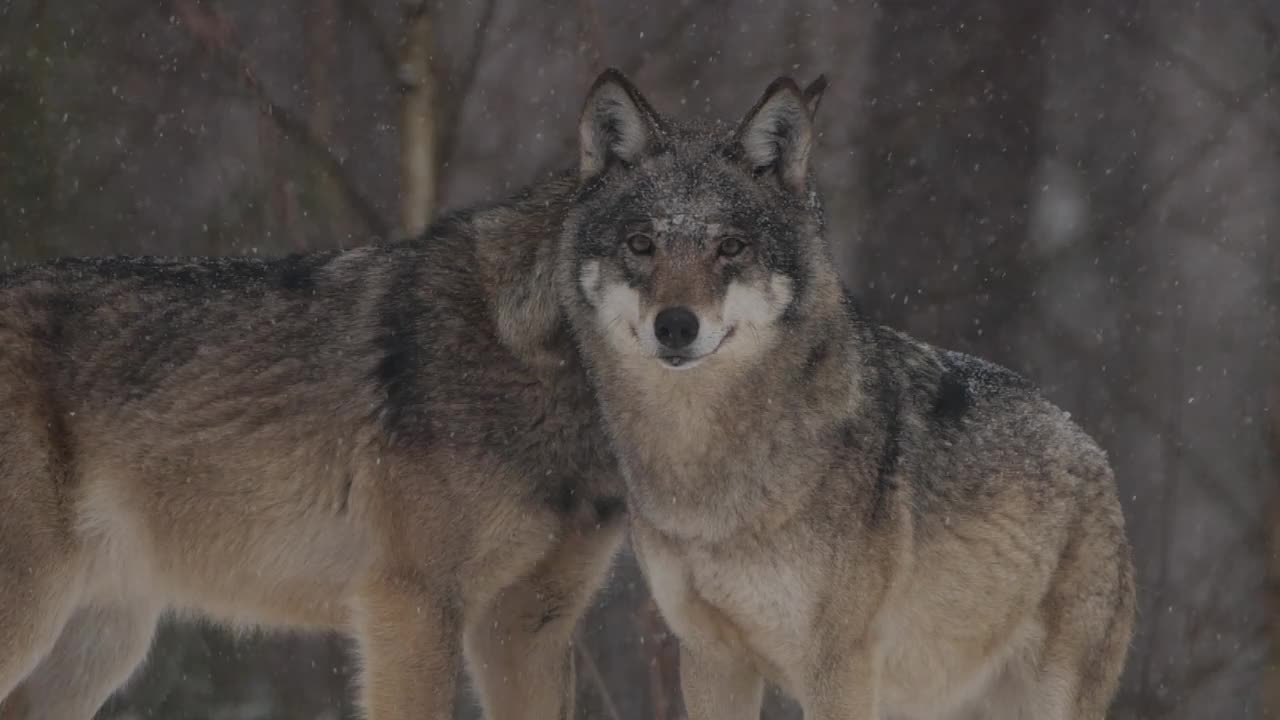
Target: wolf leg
<point>38,563</point>
<point>1075,677</point>
<point>1088,620</point>
<point>1089,615</point>
<point>520,649</point>
<point>31,615</point>
<point>38,585</point>
<point>408,638</point>
<point>97,651</point>
<point>719,686</point>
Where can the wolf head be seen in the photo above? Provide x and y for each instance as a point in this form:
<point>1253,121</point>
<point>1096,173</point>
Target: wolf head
<point>690,244</point>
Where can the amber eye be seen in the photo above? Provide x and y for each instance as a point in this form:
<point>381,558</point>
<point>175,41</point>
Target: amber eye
<point>640,244</point>
<point>731,246</point>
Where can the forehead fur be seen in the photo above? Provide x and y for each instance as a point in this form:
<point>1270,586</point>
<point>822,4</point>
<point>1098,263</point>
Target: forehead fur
<point>694,176</point>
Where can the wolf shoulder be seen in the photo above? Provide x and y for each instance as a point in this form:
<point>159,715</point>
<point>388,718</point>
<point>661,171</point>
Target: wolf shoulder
<point>966,421</point>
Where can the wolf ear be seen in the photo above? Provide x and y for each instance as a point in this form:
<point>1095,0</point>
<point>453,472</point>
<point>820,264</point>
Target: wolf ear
<point>617,123</point>
<point>813,95</point>
<point>776,135</point>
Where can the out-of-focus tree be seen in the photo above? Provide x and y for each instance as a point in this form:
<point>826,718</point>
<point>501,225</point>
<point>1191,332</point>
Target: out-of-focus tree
<point>418,168</point>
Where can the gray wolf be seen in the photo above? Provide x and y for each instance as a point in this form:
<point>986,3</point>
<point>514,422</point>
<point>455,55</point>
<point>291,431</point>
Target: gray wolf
<point>397,442</point>
<point>882,528</point>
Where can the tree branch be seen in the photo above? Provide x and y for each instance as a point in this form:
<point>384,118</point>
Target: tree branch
<point>360,11</point>
<point>1235,101</point>
<point>461,91</point>
<point>212,32</point>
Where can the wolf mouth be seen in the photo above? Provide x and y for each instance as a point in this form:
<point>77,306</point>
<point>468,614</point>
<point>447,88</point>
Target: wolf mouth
<point>680,361</point>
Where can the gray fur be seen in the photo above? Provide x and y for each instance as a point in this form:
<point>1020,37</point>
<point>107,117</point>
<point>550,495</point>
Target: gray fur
<point>882,528</point>
<point>397,442</point>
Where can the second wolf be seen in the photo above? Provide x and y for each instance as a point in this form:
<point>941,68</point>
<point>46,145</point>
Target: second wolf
<point>883,528</point>
<point>397,442</point>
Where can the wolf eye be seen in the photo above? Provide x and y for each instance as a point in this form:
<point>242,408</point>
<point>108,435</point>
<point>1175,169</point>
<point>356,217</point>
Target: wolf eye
<point>640,244</point>
<point>731,246</point>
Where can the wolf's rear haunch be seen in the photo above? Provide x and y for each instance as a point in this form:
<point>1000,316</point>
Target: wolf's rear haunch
<point>882,528</point>
<point>396,442</point>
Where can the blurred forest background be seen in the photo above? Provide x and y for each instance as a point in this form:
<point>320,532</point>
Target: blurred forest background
<point>1087,192</point>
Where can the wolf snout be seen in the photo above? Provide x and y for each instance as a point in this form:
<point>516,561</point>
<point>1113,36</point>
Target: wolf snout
<point>676,327</point>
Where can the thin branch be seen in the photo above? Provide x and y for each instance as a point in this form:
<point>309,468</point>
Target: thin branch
<point>677,24</point>
<point>318,35</point>
<point>360,11</point>
<point>1267,26</point>
<point>213,33</point>
<point>89,185</point>
<point>1231,100</point>
<point>590,35</point>
<point>472,67</point>
<point>461,91</point>
<point>593,670</point>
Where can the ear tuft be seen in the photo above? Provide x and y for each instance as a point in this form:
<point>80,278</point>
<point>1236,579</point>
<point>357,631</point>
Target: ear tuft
<point>777,133</point>
<point>617,123</point>
<point>813,94</point>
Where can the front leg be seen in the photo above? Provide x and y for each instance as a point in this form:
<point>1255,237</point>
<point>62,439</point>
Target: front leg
<point>520,648</point>
<point>844,685</point>
<point>408,633</point>
<point>719,686</point>
<point>717,678</point>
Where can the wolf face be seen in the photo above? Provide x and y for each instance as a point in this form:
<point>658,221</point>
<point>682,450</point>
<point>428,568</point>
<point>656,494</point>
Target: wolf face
<point>690,244</point>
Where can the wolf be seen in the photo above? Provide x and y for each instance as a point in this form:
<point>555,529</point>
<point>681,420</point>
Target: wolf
<point>879,527</point>
<point>396,442</point>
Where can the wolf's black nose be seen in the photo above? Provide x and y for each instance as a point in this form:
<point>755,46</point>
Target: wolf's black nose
<point>676,327</point>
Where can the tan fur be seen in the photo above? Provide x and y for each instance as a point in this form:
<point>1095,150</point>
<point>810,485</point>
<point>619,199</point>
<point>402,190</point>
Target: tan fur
<point>282,474</point>
<point>883,529</point>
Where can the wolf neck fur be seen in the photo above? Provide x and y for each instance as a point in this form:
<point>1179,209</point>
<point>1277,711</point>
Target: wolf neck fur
<point>708,451</point>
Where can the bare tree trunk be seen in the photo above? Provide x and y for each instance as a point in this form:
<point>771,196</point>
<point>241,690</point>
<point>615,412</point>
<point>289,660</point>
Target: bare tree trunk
<point>418,164</point>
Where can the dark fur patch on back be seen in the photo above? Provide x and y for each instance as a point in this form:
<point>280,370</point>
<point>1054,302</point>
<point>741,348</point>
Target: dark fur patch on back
<point>952,400</point>
<point>57,312</point>
<point>887,468</point>
<point>296,273</point>
<point>563,497</point>
<point>344,493</point>
<point>609,507</point>
<point>402,358</point>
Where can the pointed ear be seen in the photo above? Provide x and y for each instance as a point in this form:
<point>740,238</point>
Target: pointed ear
<point>617,123</point>
<point>777,133</point>
<point>813,95</point>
